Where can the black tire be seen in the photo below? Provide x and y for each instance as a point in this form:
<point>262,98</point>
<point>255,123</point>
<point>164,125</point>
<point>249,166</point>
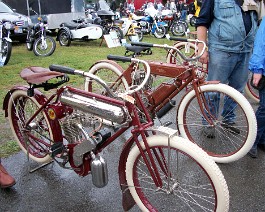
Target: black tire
<point>6,51</point>
<point>45,49</point>
<point>64,38</point>
<point>160,32</point>
<point>178,29</point>
<point>193,21</point>
<point>30,39</point>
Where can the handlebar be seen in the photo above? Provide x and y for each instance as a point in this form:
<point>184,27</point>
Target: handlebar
<point>134,60</point>
<point>165,46</point>
<point>71,71</point>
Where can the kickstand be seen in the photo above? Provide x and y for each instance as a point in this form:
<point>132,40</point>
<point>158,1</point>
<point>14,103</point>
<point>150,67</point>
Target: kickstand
<point>31,170</point>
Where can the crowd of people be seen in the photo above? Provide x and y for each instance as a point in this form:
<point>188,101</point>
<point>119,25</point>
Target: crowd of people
<point>173,5</point>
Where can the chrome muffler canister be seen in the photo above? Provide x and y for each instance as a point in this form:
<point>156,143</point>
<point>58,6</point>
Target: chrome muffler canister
<point>97,107</point>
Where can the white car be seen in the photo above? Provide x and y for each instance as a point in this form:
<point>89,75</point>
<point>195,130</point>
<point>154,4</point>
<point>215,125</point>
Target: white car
<point>21,22</point>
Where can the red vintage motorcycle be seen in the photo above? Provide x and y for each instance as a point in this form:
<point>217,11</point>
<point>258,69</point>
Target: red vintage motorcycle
<point>158,170</point>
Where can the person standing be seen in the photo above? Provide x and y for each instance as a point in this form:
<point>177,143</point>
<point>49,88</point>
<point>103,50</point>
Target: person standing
<point>132,7</point>
<point>184,9</point>
<point>6,180</point>
<point>229,32</point>
<point>257,66</point>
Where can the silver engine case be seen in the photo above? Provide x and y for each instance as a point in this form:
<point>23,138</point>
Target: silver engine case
<point>108,111</point>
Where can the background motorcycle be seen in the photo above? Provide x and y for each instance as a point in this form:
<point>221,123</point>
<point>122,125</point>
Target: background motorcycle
<point>78,30</point>
<point>38,40</point>
<point>5,42</point>
<point>175,25</point>
<point>129,27</point>
<point>152,24</point>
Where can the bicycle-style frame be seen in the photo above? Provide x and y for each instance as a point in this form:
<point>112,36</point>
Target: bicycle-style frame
<point>139,129</point>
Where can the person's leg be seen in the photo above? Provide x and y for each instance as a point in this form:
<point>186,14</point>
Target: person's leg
<point>6,180</point>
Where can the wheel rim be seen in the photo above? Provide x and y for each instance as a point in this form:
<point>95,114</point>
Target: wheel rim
<point>186,192</point>
<point>220,140</point>
<point>110,78</point>
<point>63,39</point>
<point>45,48</point>
<point>36,140</point>
<point>160,32</point>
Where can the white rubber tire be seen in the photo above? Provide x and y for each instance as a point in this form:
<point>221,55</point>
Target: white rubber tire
<point>244,104</point>
<point>195,152</point>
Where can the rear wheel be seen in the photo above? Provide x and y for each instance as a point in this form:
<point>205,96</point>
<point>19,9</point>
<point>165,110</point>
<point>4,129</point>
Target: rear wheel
<point>35,139</point>
<point>232,132</point>
<point>110,74</point>
<point>178,29</point>
<point>44,46</point>
<point>250,91</point>
<point>118,31</point>
<point>191,181</point>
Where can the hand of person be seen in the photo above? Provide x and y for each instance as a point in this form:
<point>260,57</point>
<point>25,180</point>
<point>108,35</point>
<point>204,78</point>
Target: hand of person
<point>256,78</point>
<point>205,57</point>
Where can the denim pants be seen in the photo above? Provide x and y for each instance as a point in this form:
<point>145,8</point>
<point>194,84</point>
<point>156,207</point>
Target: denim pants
<point>183,15</point>
<point>232,69</point>
<point>260,115</point>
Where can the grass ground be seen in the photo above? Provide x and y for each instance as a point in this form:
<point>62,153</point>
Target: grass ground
<point>80,55</point>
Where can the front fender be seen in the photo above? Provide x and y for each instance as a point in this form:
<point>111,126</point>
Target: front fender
<point>127,199</point>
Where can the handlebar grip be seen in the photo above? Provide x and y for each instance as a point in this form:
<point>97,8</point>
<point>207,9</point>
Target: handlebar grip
<point>178,39</point>
<point>62,69</point>
<point>142,44</point>
<point>119,58</point>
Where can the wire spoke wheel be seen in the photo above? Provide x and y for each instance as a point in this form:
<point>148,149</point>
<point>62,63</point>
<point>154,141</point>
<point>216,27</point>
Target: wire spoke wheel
<point>36,138</point>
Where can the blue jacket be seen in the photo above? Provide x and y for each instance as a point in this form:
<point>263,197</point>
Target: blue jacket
<point>257,60</point>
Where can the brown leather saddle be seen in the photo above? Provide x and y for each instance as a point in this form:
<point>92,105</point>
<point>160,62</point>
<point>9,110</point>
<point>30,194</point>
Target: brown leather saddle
<point>38,75</point>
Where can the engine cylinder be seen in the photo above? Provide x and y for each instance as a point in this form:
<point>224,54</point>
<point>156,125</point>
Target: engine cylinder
<point>102,109</point>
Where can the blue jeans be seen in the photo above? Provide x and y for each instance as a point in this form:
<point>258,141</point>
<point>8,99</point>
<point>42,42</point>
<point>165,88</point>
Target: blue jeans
<point>260,115</point>
<point>183,15</point>
<point>231,69</point>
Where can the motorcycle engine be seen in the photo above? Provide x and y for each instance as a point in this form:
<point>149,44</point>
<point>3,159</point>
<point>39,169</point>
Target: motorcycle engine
<point>90,124</point>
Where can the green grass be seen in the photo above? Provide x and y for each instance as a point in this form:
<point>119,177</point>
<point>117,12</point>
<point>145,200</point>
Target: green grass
<point>80,55</point>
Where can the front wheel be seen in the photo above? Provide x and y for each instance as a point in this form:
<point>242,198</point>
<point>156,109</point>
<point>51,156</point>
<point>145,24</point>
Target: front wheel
<point>191,180</point>
<point>160,32</point>
<point>233,127</point>
<point>35,139</point>
<point>6,51</point>
<point>44,46</point>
